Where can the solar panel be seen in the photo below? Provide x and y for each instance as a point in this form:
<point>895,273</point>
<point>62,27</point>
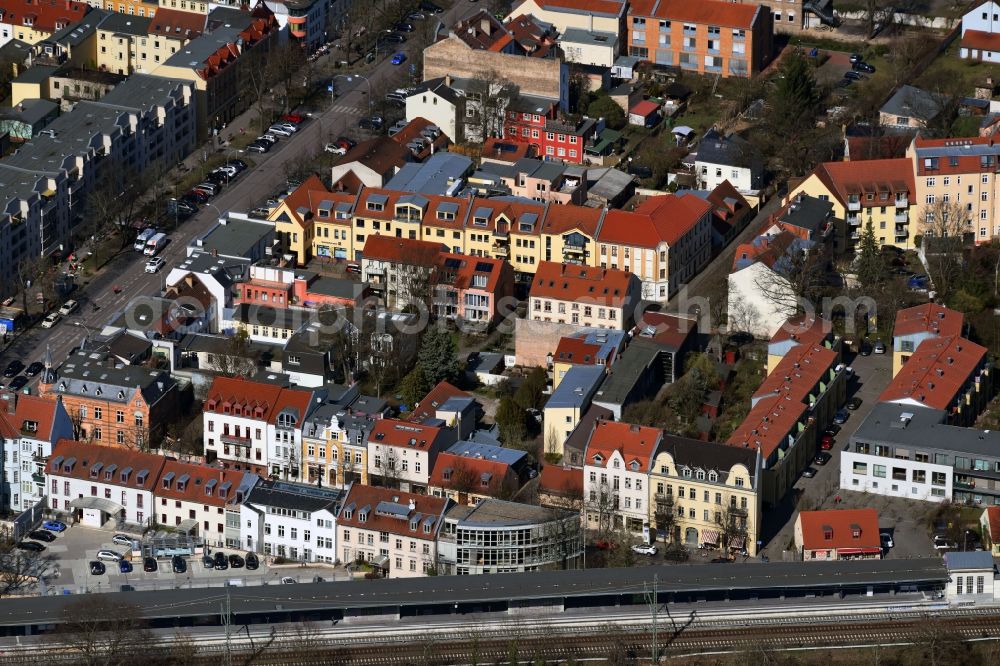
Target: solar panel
<point>452,262</point>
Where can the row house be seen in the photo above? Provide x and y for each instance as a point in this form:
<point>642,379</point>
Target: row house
<point>797,333</point>
<point>216,62</point>
<point>961,177</point>
<point>839,534</point>
<point>788,413</point>
<point>401,271</point>
<point>616,468</point>
<point>552,137</point>
<point>128,44</point>
<point>194,498</point>
<point>600,347</point>
<point>291,520</point>
<point>129,7</point>
<point>584,296</point>
<point>29,428</point>
<point>590,15</point>
<point>392,530</point>
<point>31,21</point>
<point>469,472</point>
<point>310,222</point>
<point>919,323</point>
<point>335,444</point>
<point>472,290</point>
<point>708,37</point>
<point>877,192</point>
<point>284,287</point>
<point>706,495</point>
<point>402,453</point>
<point>128,407</point>
<point>255,426</point>
<point>140,123</point>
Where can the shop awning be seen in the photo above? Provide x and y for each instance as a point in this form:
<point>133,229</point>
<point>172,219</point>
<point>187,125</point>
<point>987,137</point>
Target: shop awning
<point>737,542</point>
<point>858,551</point>
<point>710,537</point>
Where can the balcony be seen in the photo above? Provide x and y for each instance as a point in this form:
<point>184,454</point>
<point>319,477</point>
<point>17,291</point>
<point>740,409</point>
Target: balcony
<point>234,440</point>
<point>902,218</point>
<point>854,205</point>
<point>902,202</point>
<point>964,485</point>
<point>501,249</point>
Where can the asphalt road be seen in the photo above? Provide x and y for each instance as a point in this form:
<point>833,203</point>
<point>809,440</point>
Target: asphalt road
<point>127,270</point>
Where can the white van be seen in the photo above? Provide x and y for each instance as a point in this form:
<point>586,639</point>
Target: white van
<point>155,244</point>
<point>142,239</point>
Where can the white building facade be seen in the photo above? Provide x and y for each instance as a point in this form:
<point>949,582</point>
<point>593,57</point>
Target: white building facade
<point>290,520</point>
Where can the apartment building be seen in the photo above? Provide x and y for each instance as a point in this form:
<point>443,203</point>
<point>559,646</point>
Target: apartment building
<point>128,407</point>
<point>589,15</point>
<point>722,158</point>
<point>307,21</point>
<point>394,531</point>
<point>469,473</point>
<point>544,182</point>
<point>705,494</point>
<point>708,37</point>
<point>568,404</point>
<point>980,28</point>
<point>958,176</point>
<point>32,21</point>
<point>496,536</point>
<point>130,7</point>
<point>475,291</point>
<point>295,219</point>
<point>403,453</point>
<point>291,520</point>
<point>919,323</point>
<point>617,463</point>
<point>95,484</point>
<point>29,428</point>
<point>255,426</point>
<point>665,241</point>
<point>127,44</point>
<point>583,296</point>
<point>193,499</point>
<point>948,373</point>
<point>599,347</point>
<point>788,413</point>
<point>798,333</point>
<point>839,534</point>
<point>401,271</point>
<point>551,136</point>
<point>880,192</point>
<point>336,445</point>
<point>215,61</point>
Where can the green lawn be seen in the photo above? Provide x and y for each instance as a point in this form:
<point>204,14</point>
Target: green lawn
<point>949,66</point>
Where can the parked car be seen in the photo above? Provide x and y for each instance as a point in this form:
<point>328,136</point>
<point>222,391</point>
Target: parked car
<point>122,540</point>
<point>430,8</point>
<point>887,541</point>
<point>13,368</point>
<point>154,264</point>
<point>826,443</point>
<point>68,307</point>
<point>345,142</point>
<point>178,564</point>
<point>879,347</point>
<point>51,320</point>
<point>335,149</point>
<point>821,458</point>
<point>221,563</point>
<point>644,549</point>
<point>863,67</point>
<point>280,131</point>
<point>851,75</point>
<point>293,118</point>
<point>149,564</point>
<point>403,27</point>
<point>124,566</point>
<point>290,127</point>
<point>109,555</point>
<point>207,561</point>
<point>372,123</point>
<point>34,368</point>
<point>854,403</point>
<point>196,196</point>
<point>268,138</point>
<point>288,580</point>
<point>259,147</point>
<point>398,58</point>
<point>720,560</point>
<point>239,164</point>
<point>416,16</point>
<point>236,562</point>
<point>392,38</point>
<point>42,535</point>
<point>18,383</point>
<point>97,568</point>
<point>941,543</point>
<point>33,546</point>
<point>353,267</point>
<point>252,562</point>
<point>840,418</point>
<point>856,57</point>
<point>809,472</point>
<point>54,526</point>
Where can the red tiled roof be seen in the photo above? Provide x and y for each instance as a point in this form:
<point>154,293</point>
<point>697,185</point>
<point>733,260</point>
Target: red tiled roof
<point>403,250</point>
<point>561,480</point>
<point>981,40</point>
<point>412,131</point>
<point>706,12</point>
<point>300,197</point>
<point>764,249</point>
<point>936,372</point>
<point>202,484</point>
<point>780,402</point>
<point>993,523</point>
<point>657,220</point>
<point>634,443</point>
<point>255,400</point>
<point>888,147</point>
<point>564,219</point>
<point>436,397</point>
<point>645,108</point>
<point>840,525</point>
<point>868,177</point>
<point>86,455</point>
<point>359,498</point>
<point>468,266</point>
<point>381,154</point>
<point>949,160</point>
<point>575,351</point>
<point>803,330</point>
<point>177,24</point>
<point>44,13</point>
<point>667,329</point>
<point>533,38</point>
<point>474,475</point>
<point>728,202</point>
<point>406,434</point>
<point>503,149</point>
<point>40,411</point>
<point>928,318</point>
<point>572,282</point>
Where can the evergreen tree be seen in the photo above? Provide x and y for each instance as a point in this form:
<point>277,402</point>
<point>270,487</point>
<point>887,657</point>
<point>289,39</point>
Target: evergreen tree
<point>530,393</point>
<point>512,422</point>
<point>438,356</point>
<point>871,268</point>
<point>796,96</point>
<point>414,386</point>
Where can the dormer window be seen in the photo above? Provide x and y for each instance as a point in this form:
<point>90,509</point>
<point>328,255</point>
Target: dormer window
<point>427,527</point>
<point>140,479</point>
<point>686,474</point>
<point>598,460</point>
<point>168,479</point>
<point>480,221</point>
<point>616,464</point>
<point>635,466</point>
<point>701,475</point>
<point>348,513</point>
<point>211,404</point>
<point>827,532</point>
<point>856,531</point>
<point>121,395</point>
<point>372,205</point>
<point>182,482</point>
<point>713,477</point>
<point>363,516</point>
<point>445,215</point>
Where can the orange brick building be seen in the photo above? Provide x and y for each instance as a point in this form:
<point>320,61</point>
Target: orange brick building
<point>707,37</point>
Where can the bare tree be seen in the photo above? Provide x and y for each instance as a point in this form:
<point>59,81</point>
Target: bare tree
<point>19,569</point>
<point>239,359</point>
<point>33,277</point>
<point>283,70</point>
<point>102,631</point>
<point>487,98</point>
<point>944,225</point>
<point>877,14</point>
<point>733,524</point>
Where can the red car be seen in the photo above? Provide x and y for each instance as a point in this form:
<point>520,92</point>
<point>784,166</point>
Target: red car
<point>826,443</point>
<point>293,118</point>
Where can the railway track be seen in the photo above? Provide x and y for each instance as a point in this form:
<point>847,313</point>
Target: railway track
<point>549,644</point>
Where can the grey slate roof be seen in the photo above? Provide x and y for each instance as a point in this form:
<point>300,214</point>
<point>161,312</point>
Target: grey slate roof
<point>924,429</point>
<point>75,33</point>
<point>36,74</point>
<point>87,374</point>
<point>126,24</point>
<point>577,387</point>
<point>498,513</point>
<point>913,102</point>
<point>29,111</point>
<point>732,150</point>
<point>699,455</point>
<point>295,496</point>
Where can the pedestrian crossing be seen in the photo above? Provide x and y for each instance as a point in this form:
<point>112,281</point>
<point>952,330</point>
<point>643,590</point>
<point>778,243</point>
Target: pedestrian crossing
<point>345,109</point>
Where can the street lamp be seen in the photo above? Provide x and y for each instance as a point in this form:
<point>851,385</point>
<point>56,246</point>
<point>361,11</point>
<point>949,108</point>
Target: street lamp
<point>89,334</point>
<point>216,209</point>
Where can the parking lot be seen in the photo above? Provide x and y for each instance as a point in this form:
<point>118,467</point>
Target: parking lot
<point>68,568</point>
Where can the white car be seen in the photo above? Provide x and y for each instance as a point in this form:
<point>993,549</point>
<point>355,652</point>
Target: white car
<point>288,580</point>
<point>154,264</point>
<point>335,149</point>
<point>51,320</point>
<point>109,555</point>
<point>280,131</point>
<point>289,126</point>
<point>68,307</point>
<point>644,549</point>
<point>122,540</point>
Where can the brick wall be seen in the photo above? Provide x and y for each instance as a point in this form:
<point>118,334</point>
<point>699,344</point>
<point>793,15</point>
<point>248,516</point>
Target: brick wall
<point>452,57</point>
